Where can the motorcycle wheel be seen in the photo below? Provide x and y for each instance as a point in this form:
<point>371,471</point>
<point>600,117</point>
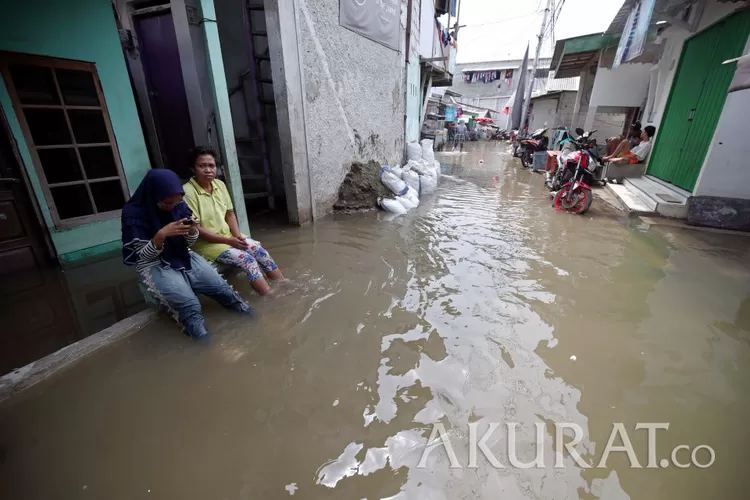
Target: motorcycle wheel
<point>526,159</point>
<point>579,202</point>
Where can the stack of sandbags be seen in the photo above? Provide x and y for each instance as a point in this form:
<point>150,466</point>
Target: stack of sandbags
<point>406,196</point>
<point>428,173</point>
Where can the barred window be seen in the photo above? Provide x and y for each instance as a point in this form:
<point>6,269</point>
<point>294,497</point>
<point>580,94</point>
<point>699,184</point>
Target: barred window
<point>61,109</point>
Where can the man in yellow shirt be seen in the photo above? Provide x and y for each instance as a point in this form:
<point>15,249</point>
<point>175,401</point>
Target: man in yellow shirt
<point>220,238</point>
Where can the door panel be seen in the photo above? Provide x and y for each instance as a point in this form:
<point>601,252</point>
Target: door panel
<point>686,90</point>
<point>731,37</point>
<point>161,64</point>
<point>697,100</point>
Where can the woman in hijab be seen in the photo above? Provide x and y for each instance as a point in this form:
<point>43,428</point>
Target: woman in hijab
<point>157,232</point>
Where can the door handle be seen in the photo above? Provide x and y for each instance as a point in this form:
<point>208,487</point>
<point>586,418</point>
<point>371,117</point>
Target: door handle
<point>692,115</point>
<point>10,179</point>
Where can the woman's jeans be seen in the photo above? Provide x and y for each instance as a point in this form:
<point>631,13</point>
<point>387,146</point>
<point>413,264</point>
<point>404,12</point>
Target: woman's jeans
<point>176,292</point>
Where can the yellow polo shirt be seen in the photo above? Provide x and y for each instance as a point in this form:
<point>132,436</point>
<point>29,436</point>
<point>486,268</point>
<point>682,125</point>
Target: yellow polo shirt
<point>211,210</point>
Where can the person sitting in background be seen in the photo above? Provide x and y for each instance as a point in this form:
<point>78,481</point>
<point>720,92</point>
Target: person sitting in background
<point>157,233</point>
<point>220,237</point>
<point>616,146</point>
<point>639,153</point>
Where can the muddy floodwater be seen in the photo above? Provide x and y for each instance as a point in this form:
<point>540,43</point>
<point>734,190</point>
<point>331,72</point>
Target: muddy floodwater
<point>483,306</point>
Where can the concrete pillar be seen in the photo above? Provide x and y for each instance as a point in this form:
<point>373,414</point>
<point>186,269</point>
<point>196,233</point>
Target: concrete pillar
<point>579,97</point>
<point>288,89</point>
<point>589,125</point>
<point>224,124</point>
<point>190,75</point>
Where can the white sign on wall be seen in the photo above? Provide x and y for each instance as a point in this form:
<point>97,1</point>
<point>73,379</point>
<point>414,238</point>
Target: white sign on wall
<point>378,20</point>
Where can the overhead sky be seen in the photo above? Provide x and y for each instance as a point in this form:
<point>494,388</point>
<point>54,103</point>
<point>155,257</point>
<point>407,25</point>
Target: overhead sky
<point>500,29</point>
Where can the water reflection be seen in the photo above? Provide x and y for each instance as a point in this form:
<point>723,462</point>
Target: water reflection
<point>48,309</point>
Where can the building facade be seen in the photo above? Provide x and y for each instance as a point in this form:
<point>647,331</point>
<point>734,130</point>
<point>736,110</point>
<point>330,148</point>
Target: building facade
<point>678,82</point>
<point>72,133</point>
<point>96,93</point>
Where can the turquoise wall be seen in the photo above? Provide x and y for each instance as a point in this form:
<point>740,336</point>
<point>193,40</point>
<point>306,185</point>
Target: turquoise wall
<point>83,30</point>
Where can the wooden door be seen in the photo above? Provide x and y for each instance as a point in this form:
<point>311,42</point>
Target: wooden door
<point>22,246</point>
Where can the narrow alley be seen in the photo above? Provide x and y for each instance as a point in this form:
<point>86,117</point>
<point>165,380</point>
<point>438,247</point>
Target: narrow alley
<point>482,305</point>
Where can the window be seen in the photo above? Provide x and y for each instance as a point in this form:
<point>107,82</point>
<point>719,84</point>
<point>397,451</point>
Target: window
<point>61,109</point>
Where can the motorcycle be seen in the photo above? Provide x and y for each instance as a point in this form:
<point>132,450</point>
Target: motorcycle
<point>575,174</point>
<point>565,168</point>
<point>539,141</point>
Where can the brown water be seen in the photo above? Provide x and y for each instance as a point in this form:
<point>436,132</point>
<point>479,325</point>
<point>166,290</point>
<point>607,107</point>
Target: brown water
<point>482,305</point>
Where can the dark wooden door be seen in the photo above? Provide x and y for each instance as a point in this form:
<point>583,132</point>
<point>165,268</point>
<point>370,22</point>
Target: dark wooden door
<point>22,245</point>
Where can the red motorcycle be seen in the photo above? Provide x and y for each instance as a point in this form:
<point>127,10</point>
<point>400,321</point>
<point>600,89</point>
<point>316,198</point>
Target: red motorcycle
<point>575,197</point>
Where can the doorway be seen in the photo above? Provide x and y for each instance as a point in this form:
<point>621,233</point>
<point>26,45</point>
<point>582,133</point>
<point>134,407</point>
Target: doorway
<point>166,89</point>
<point>697,100</point>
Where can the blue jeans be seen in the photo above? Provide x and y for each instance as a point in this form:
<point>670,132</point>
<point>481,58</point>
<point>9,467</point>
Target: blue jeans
<point>176,293</point>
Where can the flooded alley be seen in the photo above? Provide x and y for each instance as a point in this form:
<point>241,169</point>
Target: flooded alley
<point>483,305</point>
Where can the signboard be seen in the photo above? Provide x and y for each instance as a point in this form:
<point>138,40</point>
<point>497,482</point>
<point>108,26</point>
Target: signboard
<point>645,13</point>
<point>378,20</point>
<point>451,114</point>
<point>633,39</point>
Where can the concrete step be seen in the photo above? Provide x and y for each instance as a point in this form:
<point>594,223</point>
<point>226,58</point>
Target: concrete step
<point>670,201</point>
<point>633,199</point>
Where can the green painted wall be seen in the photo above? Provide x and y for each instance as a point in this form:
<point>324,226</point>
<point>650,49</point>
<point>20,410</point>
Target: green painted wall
<point>83,30</point>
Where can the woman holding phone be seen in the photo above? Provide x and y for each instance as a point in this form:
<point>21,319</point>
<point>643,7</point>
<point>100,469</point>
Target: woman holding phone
<point>158,230</point>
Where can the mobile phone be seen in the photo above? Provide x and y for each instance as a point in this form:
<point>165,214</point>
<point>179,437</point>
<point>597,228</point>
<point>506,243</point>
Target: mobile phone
<point>189,222</point>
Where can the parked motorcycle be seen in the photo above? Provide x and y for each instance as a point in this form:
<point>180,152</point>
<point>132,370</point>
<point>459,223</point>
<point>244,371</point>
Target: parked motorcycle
<point>565,168</point>
<point>574,175</point>
<point>539,141</point>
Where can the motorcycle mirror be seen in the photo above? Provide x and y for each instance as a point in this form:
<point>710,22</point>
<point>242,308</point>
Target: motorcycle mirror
<point>579,131</point>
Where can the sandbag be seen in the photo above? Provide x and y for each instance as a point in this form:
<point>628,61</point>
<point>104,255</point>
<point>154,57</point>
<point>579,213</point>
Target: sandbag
<point>398,171</point>
<point>392,206</point>
<point>428,184</point>
<point>413,151</point>
<point>437,168</point>
<point>411,178</point>
<point>405,202</point>
<point>427,153</point>
<point>389,180</point>
<point>419,167</point>
<point>413,196</point>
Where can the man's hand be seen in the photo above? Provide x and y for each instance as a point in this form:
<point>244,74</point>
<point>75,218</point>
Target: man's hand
<point>238,242</point>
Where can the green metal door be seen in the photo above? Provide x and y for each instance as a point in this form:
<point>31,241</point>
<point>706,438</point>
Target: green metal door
<point>696,101</point>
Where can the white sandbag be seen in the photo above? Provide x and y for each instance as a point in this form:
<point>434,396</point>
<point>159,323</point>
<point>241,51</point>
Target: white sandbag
<point>413,196</point>
<point>413,151</point>
<point>419,167</point>
<point>411,178</point>
<point>392,206</point>
<point>436,166</point>
<point>398,171</point>
<point>405,202</point>
<point>428,184</point>
<point>389,180</point>
<point>427,152</point>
